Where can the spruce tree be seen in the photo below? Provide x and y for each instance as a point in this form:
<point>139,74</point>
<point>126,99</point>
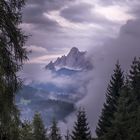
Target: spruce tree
<point>81,129</point>
<point>119,129</point>
<point>26,131</point>
<point>12,56</point>
<point>54,131</point>
<point>134,77</point>
<point>110,106</point>
<point>139,72</point>
<point>39,131</point>
<point>126,124</point>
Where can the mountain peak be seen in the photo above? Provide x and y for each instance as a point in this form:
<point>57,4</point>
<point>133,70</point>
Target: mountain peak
<point>74,49</point>
<point>73,52</point>
<point>75,60</point>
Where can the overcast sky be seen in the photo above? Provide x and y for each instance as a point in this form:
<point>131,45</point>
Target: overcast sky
<point>107,29</point>
<point>57,25</point>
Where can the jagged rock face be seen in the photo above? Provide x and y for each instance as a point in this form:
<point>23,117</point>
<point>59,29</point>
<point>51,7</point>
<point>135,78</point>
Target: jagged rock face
<point>50,66</point>
<point>74,60</point>
<point>60,61</point>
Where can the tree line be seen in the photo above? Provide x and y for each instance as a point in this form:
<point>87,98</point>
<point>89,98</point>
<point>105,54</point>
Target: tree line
<point>120,116</point>
<point>37,130</point>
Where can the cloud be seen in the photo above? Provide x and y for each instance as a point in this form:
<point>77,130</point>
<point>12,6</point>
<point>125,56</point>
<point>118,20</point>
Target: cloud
<point>135,10</point>
<point>60,25</point>
<point>131,29</point>
<point>83,13</point>
<point>50,5</point>
<point>34,15</point>
<point>78,12</point>
<point>39,55</point>
<point>124,48</point>
<point>35,48</point>
<point>42,59</point>
<point>118,2</point>
<point>34,11</point>
<point>41,75</point>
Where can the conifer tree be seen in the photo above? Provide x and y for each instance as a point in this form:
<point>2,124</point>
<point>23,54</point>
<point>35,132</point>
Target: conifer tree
<point>12,56</point>
<point>39,131</point>
<point>126,124</point>
<point>54,131</point>
<point>26,131</point>
<point>81,129</point>
<point>119,129</point>
<point>134,77</point>
<point>139,71</point>
<point>134,109</point>
<point>110,106</point>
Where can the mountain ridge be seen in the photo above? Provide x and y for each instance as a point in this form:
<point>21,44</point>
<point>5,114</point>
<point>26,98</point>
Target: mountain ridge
<point>74,60</point>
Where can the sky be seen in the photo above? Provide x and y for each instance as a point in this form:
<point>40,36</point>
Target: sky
<point>55,26</point>
<point>108,29</point>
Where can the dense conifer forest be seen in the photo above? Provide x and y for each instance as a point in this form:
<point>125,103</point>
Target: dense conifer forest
<point>120,116</point>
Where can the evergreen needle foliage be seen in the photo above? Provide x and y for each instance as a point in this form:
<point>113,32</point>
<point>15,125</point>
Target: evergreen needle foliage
<point>12,56</point>
<point>39,131</point>
<point>26,131</point>
<point>126,122</point>
<point>112,95</point>
<point>81,129</point>
<point>54,131</point>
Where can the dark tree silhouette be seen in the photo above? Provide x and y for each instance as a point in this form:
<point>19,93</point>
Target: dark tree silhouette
<point>12,56</point>
<point>54,131</point>
<point>110,107</point>
<point>39,131</point>
<point>81,129</point>
<point>126,122</point>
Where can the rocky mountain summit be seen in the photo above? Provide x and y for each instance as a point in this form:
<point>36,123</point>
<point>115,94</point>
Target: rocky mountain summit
<point>75,60</point>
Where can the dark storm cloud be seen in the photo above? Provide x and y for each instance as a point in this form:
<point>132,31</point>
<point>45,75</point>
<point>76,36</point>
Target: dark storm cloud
<point>78,12</point>
<point>44,30</point>
<point>33,14</point>
<point>34,10</point>
<point>83,13</point>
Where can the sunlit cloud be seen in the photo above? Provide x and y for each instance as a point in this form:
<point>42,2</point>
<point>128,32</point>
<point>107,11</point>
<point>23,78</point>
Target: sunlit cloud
<point>55,15</point>
<point>43,59</point>
<point>114,13</point>
<point>38,49</point>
